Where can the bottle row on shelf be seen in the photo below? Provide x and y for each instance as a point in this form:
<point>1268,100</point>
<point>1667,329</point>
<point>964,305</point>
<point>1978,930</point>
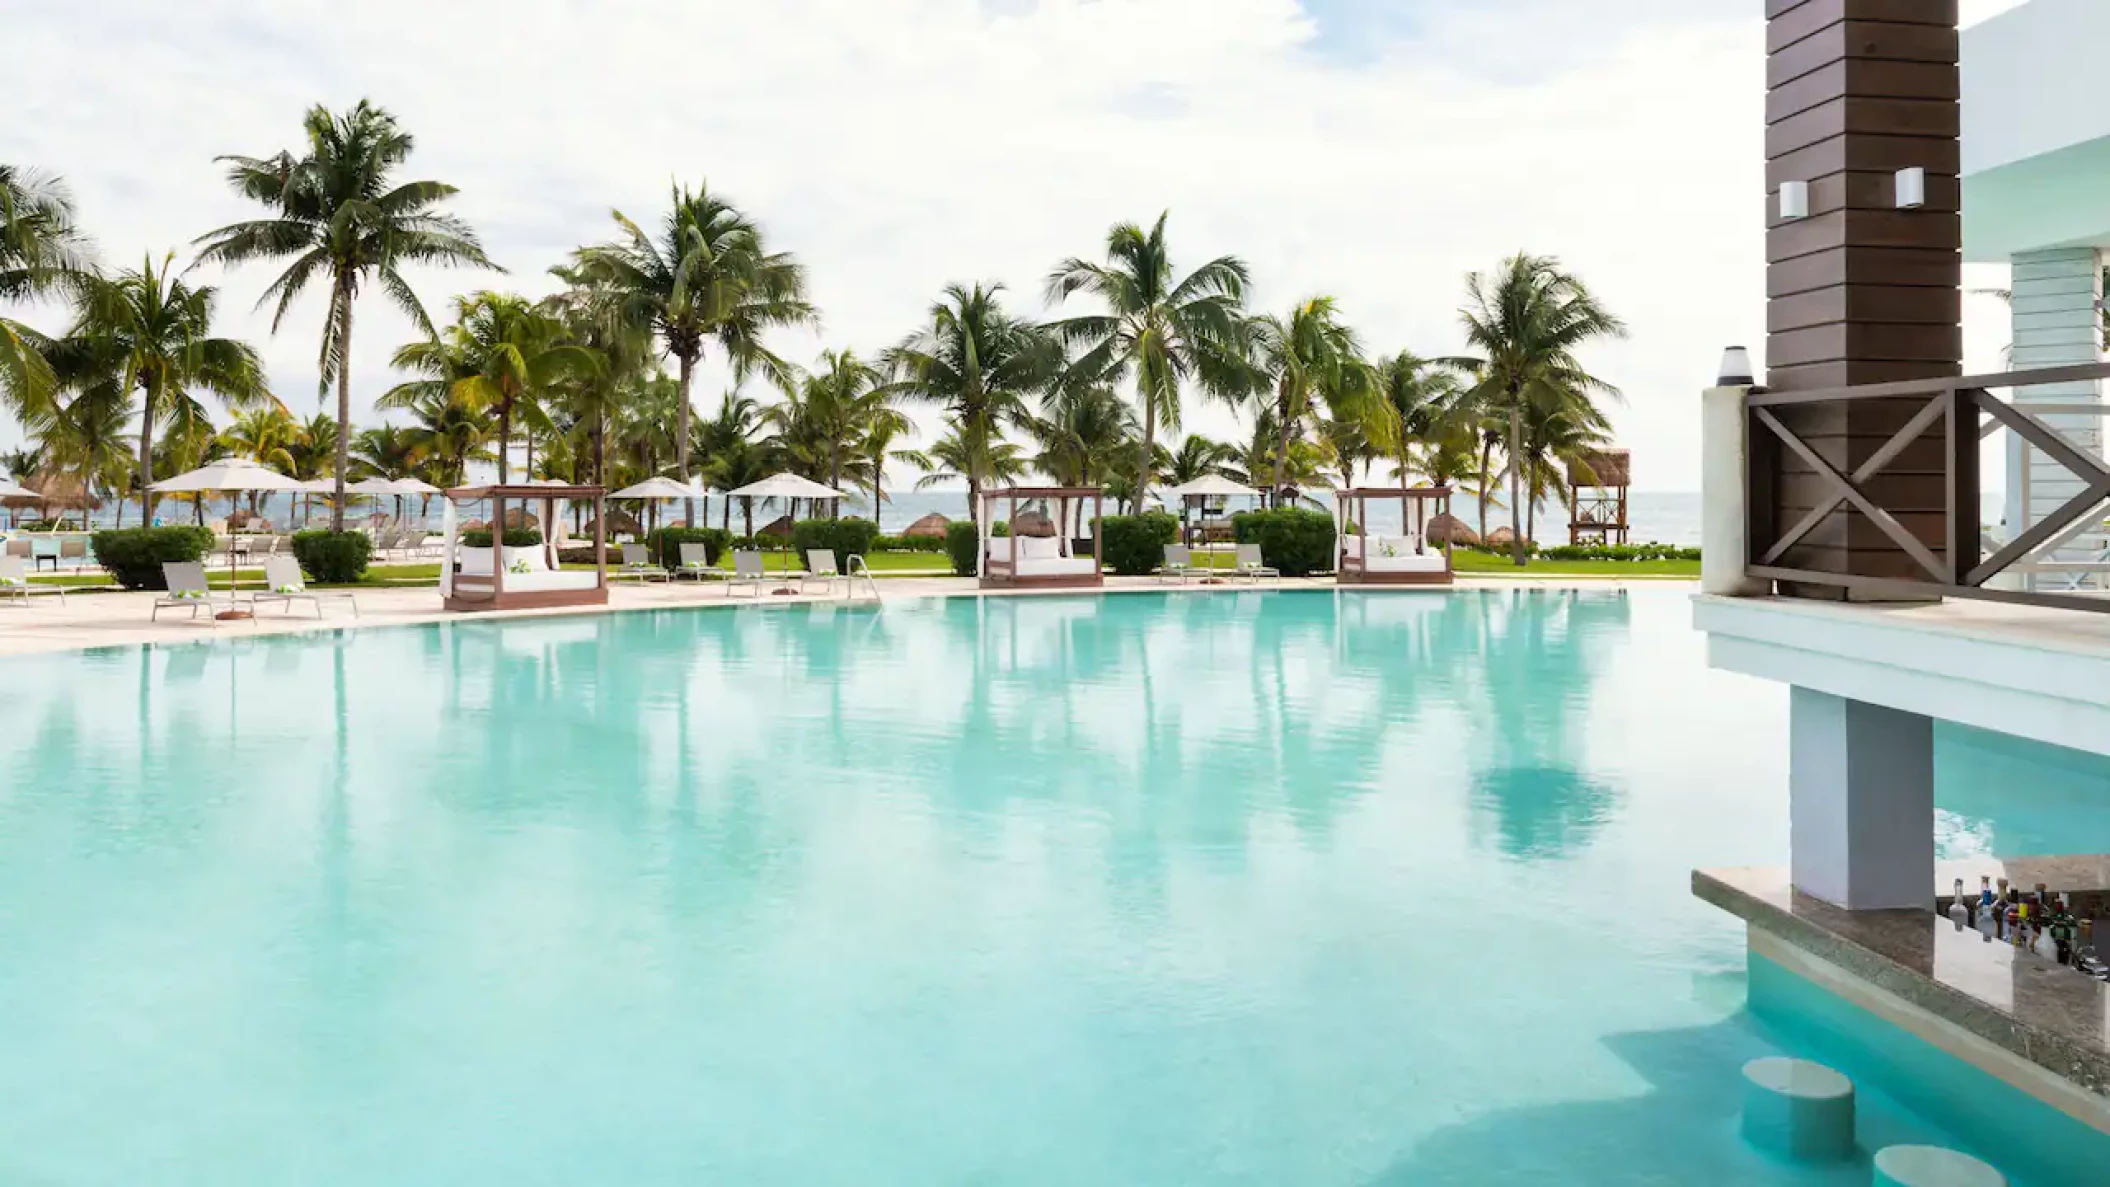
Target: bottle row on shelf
<point>2063,928</point>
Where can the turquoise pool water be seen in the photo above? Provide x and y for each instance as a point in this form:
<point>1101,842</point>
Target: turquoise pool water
<point>1231,889</point>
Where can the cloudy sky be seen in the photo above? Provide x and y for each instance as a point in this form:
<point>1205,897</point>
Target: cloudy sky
<point>1377,150</point>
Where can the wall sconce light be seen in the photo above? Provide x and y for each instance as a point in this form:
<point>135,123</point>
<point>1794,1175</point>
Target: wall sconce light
<point>1912,188</point>
<point>1794,199</point>
<point>1736,368</point>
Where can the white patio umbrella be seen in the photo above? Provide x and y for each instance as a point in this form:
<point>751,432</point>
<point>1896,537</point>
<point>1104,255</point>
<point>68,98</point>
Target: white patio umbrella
<point>1211,486</point>
<point>661,489</point>
<point>233,475</point>
<point>9,490</point>
<point>786,485</point>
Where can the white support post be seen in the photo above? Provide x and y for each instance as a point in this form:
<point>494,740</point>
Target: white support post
<point>1860,802</point>
<point>1724,488</point>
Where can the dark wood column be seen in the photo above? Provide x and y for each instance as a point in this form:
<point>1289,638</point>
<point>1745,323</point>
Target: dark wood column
<point>1860,291</point>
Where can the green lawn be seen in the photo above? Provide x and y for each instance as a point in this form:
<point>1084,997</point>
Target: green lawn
<point>1482,565</point>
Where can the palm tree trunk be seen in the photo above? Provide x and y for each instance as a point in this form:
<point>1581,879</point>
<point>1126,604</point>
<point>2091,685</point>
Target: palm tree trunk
<point>600,448</point>
<point>527,461</point>
<point>146,454</point>
<point>344,403</point>
<point>747,516</point>
<point>1516,474</point>
<point>1150,437</point>
<point>681,437</point>
<point>1281,451</point>
<point>1487,460</point>
<point>505,441</point>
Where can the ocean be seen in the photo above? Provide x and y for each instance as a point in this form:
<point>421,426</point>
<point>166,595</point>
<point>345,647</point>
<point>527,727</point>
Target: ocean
<point>1668,517</point>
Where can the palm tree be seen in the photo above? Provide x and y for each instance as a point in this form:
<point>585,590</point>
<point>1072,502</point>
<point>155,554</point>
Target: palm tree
<point>265,435</point>
<point>826,414</point>
<point>501,354</point>
<point>386,451</point>
<point>1156,329</point>
<point>149,330</point>
<point>313,450</point>
<point>91,436</point>
<point>1198,457</point>
<point>595,396</point>
<point>875,449</point>
<point>1086,438</point>
<point>41,252</point>
<point>448,436</point>
<point>342,217</point>
<point>707,276</point>
<point>1558,432</point>
<point>1419,400</point>
<point>1527,320</point>
<point>979,364</point>
<point>1312,363</point>
<point>957,455</point>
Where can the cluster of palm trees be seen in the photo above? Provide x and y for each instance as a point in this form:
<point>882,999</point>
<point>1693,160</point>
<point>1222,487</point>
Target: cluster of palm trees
<point>595,382</point>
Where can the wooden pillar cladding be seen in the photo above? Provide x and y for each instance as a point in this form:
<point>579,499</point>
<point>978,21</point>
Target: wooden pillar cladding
<point>1859,291</point>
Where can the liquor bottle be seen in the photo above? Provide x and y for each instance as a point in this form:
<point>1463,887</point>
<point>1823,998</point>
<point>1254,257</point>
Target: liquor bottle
<point>1959,910</point>
<point>1985,891</point>
<point>1987,916</point>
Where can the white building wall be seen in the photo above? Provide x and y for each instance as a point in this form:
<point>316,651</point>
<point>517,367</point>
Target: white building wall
<point>2057,322</point>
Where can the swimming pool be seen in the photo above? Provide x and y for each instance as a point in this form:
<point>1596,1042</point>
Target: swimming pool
<point>1238,888</point>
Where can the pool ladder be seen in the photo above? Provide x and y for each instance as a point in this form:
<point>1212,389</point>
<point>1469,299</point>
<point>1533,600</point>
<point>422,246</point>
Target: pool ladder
<point>858,568</point>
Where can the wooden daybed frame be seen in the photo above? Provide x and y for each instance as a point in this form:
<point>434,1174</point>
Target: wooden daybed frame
<point>479,591</point>
<point>1000,561</point>
<point>1354,509</point>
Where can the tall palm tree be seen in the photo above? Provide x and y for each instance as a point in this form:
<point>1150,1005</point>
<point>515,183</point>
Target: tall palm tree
<point>1159,328</point>
<point>341,216</point>
<point>42,252</point>
<point>1418,401</point>
<point>448,436</point>
<point>91,436</point>
<point>826,413</point>
<point>886,425</point>
<point>1313,363</point>
<point>266,435</point>
<point>1528,319</point>
<point>957,455</point>
<point>501,356</point>
<point>1198,457</point>
<point>148,330</point>
<point>706,276</point>
<point>386,451</point>
<point>313,451</point>
<point>980,365</point>
<point>1558,432</point>
<point>595,396</point>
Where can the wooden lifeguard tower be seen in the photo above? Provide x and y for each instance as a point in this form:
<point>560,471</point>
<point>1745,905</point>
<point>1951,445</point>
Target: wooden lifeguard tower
<point>1597,490</point>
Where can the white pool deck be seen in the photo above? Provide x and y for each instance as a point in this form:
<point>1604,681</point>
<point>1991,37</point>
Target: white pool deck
<point>42,624</point>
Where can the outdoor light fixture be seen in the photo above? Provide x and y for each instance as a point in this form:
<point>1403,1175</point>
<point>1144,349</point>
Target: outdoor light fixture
<point>1794,199</point>
<point>1912,188</point>
<point>1736,368</point>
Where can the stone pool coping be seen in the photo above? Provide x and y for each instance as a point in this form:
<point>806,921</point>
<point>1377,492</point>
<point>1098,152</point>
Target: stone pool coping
<point>2052,1018</point>
<point>42,624</point>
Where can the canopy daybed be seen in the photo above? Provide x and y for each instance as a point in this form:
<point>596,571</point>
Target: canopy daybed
<point>526,577</point>
<point>1039,562</point>
<point>1405,559</point>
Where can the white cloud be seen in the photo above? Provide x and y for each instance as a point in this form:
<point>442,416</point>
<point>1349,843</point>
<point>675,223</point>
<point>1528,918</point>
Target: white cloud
<point>896,145</point>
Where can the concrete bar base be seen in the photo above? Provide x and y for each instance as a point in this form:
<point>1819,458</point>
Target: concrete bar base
<point>1798,1109</point>
<point>1860,802</point>
<point>1932,1166</point>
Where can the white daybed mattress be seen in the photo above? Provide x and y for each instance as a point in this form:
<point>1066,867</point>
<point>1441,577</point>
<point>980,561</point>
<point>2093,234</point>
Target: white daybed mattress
<point>1404,559</point>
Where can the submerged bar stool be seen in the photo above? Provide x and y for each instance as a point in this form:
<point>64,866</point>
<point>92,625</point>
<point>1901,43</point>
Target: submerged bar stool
<point>1932,1166</point>
<point>1798,1109</point>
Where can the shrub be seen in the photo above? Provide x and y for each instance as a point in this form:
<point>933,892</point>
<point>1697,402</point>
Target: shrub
<point>1297,541</point>
<point>666,543</point>
<point>960,543</point>
<point>515,538</point>
<point>1134,545</point>
<point>844,537</point>
<point>908,544</point>
<point>135,555</point>
<point>332,558</point>
<point>1620,552</point>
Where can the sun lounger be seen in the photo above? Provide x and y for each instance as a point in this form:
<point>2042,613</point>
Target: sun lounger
<point>1178,563</point>
<point>1250,566</point>
<point>820,566</point>
<point>15,585</point>
<point>695,562</point>
<point>284,582</point>
<point>187,588</point>
<point>637,564</point>
<point>747,571</point>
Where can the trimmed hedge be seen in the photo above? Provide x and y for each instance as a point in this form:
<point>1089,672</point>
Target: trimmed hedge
<point>1619,552</point>
<point>666,544</point>
<point>135,555</point>
<point>332,558</point>
<point>960,543</point>
<point>1296,541</point>
<point>1134,545</point>
<point>515,538</point>
<point>908,543</point>
<point>844,537</point>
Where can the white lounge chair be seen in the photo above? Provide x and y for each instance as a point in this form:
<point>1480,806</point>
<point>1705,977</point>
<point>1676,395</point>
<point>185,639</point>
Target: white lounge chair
<point>187,588</point>
<point>284,582</point>
<point>747,571</point>
<point>1179,562</point>
<point>820,566</point>
<point>1250,565</point>
<point>15,585</point>
<point>637,564</point>
<point>696,562</point>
